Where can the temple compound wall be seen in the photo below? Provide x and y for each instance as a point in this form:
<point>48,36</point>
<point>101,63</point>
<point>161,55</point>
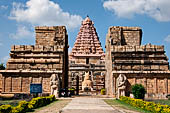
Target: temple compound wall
<point>141,64</point>
<point>36,63</point>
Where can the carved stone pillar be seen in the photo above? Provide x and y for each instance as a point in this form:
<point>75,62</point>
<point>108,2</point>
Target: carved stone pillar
<point>155,86</point>
<point>166,85</point>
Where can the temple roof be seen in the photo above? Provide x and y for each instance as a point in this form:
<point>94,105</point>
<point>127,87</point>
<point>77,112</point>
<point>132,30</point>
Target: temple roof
<point>87,41</point>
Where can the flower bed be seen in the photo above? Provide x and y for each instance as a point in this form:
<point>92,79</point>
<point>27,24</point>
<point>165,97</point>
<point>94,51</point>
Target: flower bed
<point>148,106</point>
<point>25,106</point>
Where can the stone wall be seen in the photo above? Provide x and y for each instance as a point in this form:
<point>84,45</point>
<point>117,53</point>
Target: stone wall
<point>19,82</point>
<point>145,57</point>
<point>50,36</point>
<point>36,57</point>
<point>156,84</point>
<point>145,64</point>
<point>36,63</point>
<point>125,35</point>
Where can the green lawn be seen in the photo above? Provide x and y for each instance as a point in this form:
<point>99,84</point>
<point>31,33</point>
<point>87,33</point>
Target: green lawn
<point>120,104</point>
<point>10,102</point>
<point>163,102</point>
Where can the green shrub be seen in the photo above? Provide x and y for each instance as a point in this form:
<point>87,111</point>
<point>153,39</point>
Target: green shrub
<point>21,108</point>
<point>5,109</point>
<point>103,91</point>
<point>148,106</point>
<point>40,101</point>
<point>25,106</point>
<point>138,91</point>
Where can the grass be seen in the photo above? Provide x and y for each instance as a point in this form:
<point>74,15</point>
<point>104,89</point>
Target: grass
<point>52,107</point>
<point>120,104</point>
<point>44,107</point>
<point>10,102</point>
<point>161,101</point>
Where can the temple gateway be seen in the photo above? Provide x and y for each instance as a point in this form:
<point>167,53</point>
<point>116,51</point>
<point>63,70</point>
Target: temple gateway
<point>124,63</point>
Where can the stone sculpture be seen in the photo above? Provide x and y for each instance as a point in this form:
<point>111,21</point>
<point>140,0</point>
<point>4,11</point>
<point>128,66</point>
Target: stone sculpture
<point>121,85</point>
<point>54,83</point>
<point>87,83</point>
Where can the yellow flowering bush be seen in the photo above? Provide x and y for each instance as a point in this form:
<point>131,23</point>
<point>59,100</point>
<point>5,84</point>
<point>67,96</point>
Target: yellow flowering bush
<point>103,91</point>
<point>149,106</point>
<point>25,106</point>
<point>5,108</point>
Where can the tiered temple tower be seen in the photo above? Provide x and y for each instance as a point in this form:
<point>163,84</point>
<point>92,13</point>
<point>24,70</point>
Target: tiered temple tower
<point>88,55</point>
<point>87,43</point>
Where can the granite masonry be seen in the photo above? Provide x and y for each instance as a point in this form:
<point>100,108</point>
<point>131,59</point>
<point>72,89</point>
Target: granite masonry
<point>141,64</point>
<point>124,55</point>
<point>36,63</point>
<point>87,55</point>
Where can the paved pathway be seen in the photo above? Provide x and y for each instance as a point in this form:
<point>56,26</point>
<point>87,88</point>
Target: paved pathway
<point>88,105</point>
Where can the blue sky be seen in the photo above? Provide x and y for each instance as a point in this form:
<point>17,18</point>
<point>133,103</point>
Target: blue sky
<point>19,17</point>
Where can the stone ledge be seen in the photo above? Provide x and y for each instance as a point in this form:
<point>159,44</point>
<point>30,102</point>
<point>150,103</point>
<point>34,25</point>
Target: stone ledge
<point>134,72</point>
<point>29,71</point>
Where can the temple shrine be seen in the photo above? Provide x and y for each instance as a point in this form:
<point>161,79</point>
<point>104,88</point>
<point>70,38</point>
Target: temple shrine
<point>87,55</point>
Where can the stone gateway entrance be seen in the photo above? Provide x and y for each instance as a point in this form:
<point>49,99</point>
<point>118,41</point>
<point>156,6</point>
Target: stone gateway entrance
<point>125,57</point>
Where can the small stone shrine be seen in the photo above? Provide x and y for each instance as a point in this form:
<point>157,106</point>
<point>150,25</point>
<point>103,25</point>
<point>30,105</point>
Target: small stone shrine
<point>87,55</point>
<point>38,63</point>
<point>141,64</point>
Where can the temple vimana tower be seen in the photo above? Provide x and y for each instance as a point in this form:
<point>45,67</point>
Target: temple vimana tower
<point>87,66</point>
<point>87,55</point>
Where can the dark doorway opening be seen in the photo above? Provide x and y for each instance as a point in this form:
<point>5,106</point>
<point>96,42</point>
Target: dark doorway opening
<point>87,60</point>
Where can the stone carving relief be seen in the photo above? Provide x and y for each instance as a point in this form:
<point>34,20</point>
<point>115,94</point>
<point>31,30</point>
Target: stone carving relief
<point>87,83</point>
<point>121,85</point>
<point>54,83</point>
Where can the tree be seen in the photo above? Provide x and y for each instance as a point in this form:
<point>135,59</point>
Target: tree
<point>138,91</point>
<point>2,67</point>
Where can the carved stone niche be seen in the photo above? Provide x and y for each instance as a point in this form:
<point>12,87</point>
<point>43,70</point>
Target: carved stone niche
<point>121,85</point>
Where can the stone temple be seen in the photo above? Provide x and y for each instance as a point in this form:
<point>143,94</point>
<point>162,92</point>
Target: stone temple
<point>87,65</point>
<point>87,55</point>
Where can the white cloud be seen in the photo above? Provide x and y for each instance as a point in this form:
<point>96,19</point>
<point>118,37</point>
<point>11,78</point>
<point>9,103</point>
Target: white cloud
<point>4,59</point>
<point>3,7</point>
<point>43,12</point>
<point>22,32</point>
<point>167,39</point>
<point>157,9</point>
